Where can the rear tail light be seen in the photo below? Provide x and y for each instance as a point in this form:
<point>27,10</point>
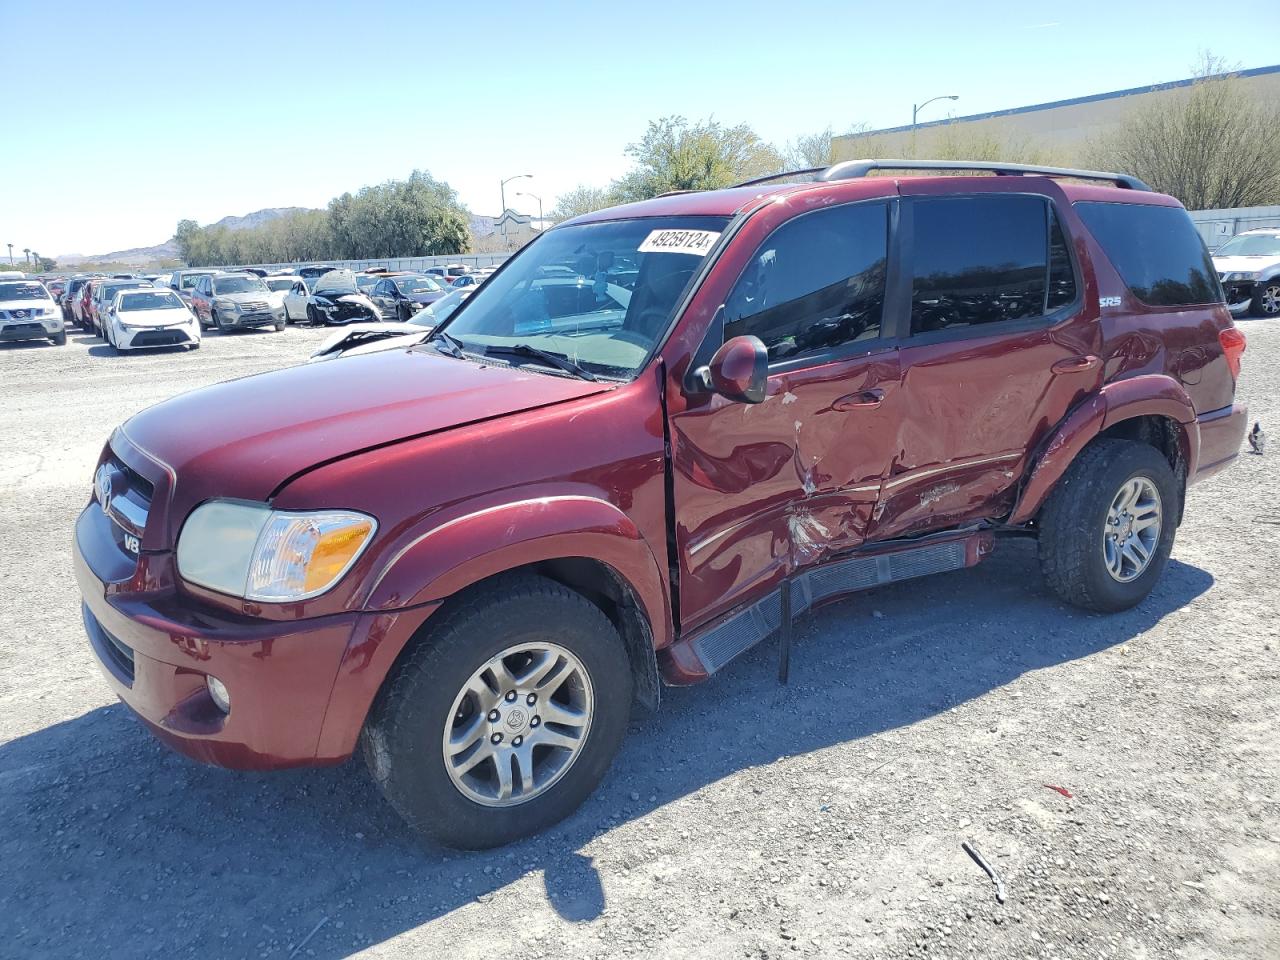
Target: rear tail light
<point>1233,342</point>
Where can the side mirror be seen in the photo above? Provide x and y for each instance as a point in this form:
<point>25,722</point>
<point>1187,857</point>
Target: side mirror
<point>739,370</point>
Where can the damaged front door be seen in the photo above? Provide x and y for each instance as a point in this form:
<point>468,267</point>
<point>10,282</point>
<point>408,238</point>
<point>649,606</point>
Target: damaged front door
<point>762,490</point>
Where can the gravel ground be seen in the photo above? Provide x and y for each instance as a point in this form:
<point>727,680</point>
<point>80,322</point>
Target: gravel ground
<point>744,819</point>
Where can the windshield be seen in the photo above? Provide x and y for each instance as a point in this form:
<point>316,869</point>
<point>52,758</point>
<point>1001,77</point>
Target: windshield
<point>365,281</point>
<point>417,285</point>
<point>22,291</point>
<point>600,294</point>
<point>224,285</point>
<point>1257,245</point>
<point>189,279</point>
<point>276,284</point>
<point>159,300</point>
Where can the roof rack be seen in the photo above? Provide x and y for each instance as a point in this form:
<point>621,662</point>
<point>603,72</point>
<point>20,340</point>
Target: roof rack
<point>780,176</point>
<point>852,169</point>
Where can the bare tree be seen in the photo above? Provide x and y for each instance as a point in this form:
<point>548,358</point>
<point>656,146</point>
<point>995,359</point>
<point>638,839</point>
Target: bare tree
<point>819,149</point>
<point>1211,145</point>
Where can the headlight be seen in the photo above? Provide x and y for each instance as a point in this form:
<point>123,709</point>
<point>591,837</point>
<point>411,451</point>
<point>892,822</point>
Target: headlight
<point>249,550</point>
<point>1242,275</point>
<point>228,305</point>
<point>49,312</point>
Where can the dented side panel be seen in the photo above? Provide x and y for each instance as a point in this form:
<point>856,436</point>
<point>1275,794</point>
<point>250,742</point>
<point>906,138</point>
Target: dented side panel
<point>765,490</point>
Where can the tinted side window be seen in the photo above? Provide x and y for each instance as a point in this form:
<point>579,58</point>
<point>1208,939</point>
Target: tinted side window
<point>816,283</point>
<point>1156,250</point>
<point>1062,275</point>
<point>978,260</point>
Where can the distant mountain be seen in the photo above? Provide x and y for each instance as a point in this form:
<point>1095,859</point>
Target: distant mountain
<point>168,250</point>
<point>481,226</point>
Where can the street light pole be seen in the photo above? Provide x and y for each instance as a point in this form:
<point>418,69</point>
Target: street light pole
<point>917,107</point>
<point>502,189</point>
<point>10,246</point>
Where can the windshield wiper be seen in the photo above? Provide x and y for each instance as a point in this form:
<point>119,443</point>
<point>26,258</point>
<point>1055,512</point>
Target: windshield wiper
<point>453,343</point>
<point>554,359</point>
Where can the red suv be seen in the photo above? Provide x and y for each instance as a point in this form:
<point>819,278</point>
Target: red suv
<point>649,441</point>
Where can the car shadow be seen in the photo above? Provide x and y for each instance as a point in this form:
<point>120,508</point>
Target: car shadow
<point>95,814</point>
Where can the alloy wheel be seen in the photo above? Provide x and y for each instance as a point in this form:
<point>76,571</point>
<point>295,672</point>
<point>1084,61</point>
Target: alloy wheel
<point>1131,532</point>
<point>518,724</point>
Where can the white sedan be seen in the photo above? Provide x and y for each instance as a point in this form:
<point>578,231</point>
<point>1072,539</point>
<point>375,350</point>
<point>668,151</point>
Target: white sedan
<point>296,299</point>
<point>151,318</point>
<point>280,287</point>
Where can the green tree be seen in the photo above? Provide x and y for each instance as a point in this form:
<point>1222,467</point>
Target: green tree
<point>675,154</point>
<point>581,199</point>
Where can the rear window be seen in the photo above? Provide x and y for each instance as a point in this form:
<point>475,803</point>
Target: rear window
<point>1156,250</point>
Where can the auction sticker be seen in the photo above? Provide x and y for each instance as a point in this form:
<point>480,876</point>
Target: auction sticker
<point>696,242</point>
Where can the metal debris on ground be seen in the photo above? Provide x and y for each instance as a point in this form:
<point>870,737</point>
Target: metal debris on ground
<point>1062,790</point>
<point>974,855</point>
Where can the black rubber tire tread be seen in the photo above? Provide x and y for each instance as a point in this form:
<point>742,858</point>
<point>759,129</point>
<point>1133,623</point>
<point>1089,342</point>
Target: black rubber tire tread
<point>401,737</point>
<point>1070,554</point>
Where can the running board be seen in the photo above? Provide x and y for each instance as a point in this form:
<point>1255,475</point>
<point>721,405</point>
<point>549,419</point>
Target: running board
<point>715,647</point>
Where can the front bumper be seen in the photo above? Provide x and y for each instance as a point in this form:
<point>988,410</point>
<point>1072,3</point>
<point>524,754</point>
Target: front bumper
<point>1239,294</point>
<point>300,690</point>
<point>249,320</point>
<point>40,329</point>
<point>140,338</point>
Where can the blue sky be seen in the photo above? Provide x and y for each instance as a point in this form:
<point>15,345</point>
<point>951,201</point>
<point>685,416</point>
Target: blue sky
<point>151,112</point>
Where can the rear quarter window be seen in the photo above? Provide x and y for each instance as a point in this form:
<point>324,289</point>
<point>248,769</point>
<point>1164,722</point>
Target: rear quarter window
<point>1156,251</point>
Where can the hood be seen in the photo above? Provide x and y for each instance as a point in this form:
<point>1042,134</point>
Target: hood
<point>245,438</point>
<point>154,318</point>
<point>335,283</point>
<point>250,296</point>
<point>1245,264</point>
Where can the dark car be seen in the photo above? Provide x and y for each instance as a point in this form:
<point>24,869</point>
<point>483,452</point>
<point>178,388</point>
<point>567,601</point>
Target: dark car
<point>400,297</point>
<point>469,557</point>
<point>314,272</point>
<point>336,300</point>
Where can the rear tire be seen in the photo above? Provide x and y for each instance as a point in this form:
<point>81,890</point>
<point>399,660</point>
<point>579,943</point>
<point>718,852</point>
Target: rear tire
<point>1097,551</point>
<point>425,701</point>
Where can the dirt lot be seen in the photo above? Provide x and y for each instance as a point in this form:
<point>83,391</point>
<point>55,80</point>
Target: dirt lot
<point>744,819</point>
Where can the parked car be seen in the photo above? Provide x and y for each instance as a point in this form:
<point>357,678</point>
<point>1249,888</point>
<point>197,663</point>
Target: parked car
<point>279,286</point>
<point>28,312</point>
<point>315,271</point>
<point>1249,265</point>
<point>400,297</point>
<point>469,558</point>
<point>467,280</point>
<point>104,295</point>
<point>56,287</point>
<point>234,301</point>
<point>296,300</point>
<point>448,272</point>
<point>84,306</point>
<point>183,282</point>
<point>72,304</point>
<point>336,299</point>
<point>155,317</point>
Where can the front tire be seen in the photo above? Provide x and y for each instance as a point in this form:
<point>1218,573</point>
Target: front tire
<point>1107,529</point>
<point>1266,299</point>
<point>59,339</point>
<point>504,718</point>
